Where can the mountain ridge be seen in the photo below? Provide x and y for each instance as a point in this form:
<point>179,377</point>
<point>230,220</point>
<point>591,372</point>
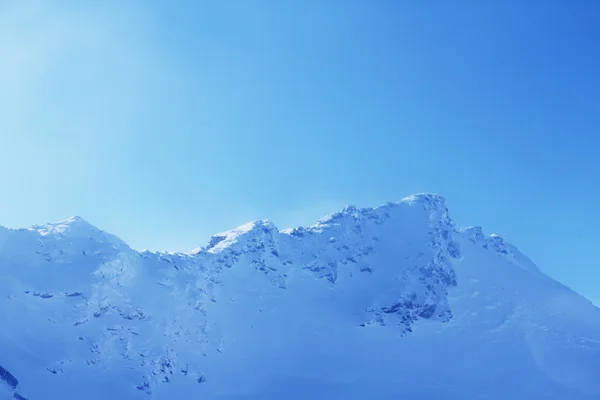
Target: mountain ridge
<point>76,221</point>
<point>277,310</point>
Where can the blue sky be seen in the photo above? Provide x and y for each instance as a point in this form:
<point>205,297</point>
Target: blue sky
<point>165,123</point>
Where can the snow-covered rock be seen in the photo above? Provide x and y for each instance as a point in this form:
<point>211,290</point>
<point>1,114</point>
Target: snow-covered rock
<point>388,302</point>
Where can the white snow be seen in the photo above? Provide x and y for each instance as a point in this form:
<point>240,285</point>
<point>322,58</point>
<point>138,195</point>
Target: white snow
<point>384,303</point>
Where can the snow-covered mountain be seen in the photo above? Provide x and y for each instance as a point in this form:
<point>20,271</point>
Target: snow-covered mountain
<point>384,303</point>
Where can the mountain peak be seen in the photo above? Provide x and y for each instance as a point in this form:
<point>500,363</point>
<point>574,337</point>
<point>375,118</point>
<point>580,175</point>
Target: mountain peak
<point>225,239</point>
<point>425,198</point>
<point>474,234</point>
<point>76,229</point>
<point>73,225</point>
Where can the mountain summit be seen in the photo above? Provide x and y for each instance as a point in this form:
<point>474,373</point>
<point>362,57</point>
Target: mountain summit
<point>384,303</point>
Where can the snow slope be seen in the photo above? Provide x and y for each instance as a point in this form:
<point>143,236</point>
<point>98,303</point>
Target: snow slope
<point>383,303</point>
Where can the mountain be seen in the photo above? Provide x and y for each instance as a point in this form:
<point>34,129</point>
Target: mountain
<point>385,303</point>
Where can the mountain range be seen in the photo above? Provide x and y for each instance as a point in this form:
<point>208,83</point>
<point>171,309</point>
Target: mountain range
<point>392,302</point>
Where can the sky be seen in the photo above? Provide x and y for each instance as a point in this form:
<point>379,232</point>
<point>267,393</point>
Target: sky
<point>166,122</point>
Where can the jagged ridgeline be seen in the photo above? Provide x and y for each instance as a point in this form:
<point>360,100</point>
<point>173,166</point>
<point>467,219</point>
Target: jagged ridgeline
<point>367,303</point>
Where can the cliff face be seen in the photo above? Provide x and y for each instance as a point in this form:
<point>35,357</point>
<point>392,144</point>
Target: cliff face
<point>383,302</point>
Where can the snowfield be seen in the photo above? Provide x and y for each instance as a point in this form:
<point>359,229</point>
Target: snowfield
<point>386,303</point>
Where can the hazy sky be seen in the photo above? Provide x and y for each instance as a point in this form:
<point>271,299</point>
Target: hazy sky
<point>165,122</point>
